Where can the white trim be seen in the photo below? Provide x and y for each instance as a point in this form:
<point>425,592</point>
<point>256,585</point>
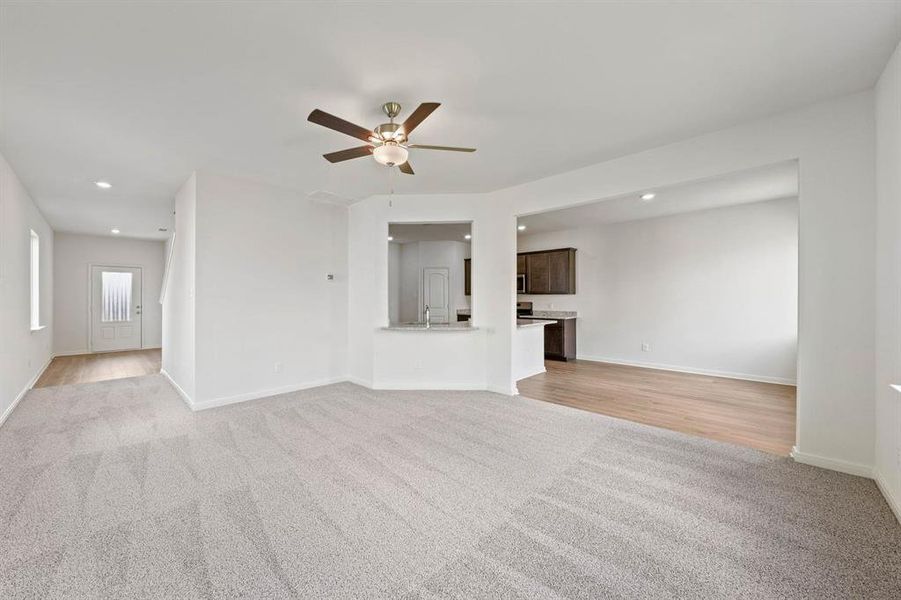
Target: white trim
<point>691,370</point>
<point>38,328</point>
<point>833,464</point>
<point>893,502</point>
<point>184,395</point>
<point>382,385</point>
<point>167,269</point>
<point>226,400</point>
<point>366,383</point>
<point>543,370</point>
<point>85,352</point>
<point>24,391</point>
<point>476,387</point>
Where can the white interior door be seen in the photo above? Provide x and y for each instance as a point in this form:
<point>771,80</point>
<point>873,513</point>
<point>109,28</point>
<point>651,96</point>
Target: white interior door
<point>115,308</point>
<point>436,293</point>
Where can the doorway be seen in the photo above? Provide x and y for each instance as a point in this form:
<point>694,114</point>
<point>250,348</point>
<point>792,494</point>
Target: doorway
<point>685,306</point>
<point>115,306</point>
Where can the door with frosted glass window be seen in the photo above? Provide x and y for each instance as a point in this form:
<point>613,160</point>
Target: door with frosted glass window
<point>115,308</point>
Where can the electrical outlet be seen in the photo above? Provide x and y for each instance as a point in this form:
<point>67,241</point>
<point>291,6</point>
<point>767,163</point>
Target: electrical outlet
<point>645,347</point>
<point>278,367</point>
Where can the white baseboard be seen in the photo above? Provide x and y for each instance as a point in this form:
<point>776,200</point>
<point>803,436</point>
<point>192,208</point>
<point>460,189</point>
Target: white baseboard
<point>833,464</point>
<point>184,395</point>
<point>366,383</point>
<point>893,501</point>
<point>226,400</point>
<point>24,391</point>
<point>693,371</point>
<point>510,390</point>
<point>389,385</point>
<point>71,353</point>
<point>533,374</point>
<point>85,351</point>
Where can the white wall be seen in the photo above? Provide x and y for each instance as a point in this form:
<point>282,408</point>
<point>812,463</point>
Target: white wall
<point>492,250</point>
<point>72,257</point>
<point>179,301</point>
<point>416,256</point>
<point>444,360</point>
<point>888,281</point>
<point>712,291</point>
<point>528,352</point>
<point>267,317</point>
<point>23,353</point>
<point>834,142</point>
<point>394,282</point>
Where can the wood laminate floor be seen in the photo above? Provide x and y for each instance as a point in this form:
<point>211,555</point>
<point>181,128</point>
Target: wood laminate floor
<point>85,368</point>
<point>749,413</point>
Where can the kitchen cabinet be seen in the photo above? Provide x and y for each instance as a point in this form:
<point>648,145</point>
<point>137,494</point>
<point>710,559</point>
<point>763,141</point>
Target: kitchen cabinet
<point>467,277</point>
<point>560,340</point>
<point>550,271</point>
<point>546,271</point>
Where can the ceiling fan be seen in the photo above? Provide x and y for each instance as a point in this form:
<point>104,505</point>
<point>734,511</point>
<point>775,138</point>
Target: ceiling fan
<point>387,143</point>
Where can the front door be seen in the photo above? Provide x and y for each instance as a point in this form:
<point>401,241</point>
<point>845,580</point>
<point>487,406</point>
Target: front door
<point>115,308</point>
<point>435,293</point>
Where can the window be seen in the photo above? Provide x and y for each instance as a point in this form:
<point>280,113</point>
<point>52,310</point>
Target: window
<point>35,281</point>
<point>115,296</point>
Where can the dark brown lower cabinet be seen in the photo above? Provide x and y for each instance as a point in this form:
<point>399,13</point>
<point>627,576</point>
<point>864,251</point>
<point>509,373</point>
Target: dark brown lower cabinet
<point>560,340</point>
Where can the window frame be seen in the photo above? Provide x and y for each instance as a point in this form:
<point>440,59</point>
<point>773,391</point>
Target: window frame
<point>34,276</point>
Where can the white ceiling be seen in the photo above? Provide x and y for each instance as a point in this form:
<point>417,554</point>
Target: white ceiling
<point>754,185</point>
<point>142,93</point>
<point>429,232</point>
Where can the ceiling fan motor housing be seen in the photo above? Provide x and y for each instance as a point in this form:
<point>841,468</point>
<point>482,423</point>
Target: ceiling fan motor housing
<point>390,131</point>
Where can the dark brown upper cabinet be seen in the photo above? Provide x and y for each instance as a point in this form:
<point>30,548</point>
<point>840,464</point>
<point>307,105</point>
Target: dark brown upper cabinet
<point>467,276</point>
<point>550,271</point>
<point>546,271</point>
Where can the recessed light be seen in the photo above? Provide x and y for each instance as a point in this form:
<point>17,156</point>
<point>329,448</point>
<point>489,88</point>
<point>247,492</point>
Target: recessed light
<point>103,184</point>
<point>390,238</point>
<point>114,231</point>
<point>648,196</point>
<point>468,236</point>
<point>521,227</point>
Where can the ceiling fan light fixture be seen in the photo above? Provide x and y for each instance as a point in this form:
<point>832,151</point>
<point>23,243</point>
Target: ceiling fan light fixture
<point>390,154</point>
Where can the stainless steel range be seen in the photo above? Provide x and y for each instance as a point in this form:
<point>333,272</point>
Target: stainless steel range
<point>523,309</point>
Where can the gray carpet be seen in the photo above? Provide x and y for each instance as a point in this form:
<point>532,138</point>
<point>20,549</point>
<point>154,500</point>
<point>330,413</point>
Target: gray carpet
<point>117,490</point>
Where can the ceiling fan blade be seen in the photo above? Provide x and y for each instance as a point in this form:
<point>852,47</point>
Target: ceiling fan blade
<point>341,155</point>
<point>406,168</point>
<point>332,122</point>
<point>450,148</point>
<point>418,116</point>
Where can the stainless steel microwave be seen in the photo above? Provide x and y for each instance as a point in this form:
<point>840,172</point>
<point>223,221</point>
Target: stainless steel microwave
<point>520,284</point>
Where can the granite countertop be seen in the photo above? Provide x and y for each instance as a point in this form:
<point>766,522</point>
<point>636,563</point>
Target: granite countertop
<point>520,323</point>
<point>435,327</point>
<point>464,311</point>
<point>551,314</point>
